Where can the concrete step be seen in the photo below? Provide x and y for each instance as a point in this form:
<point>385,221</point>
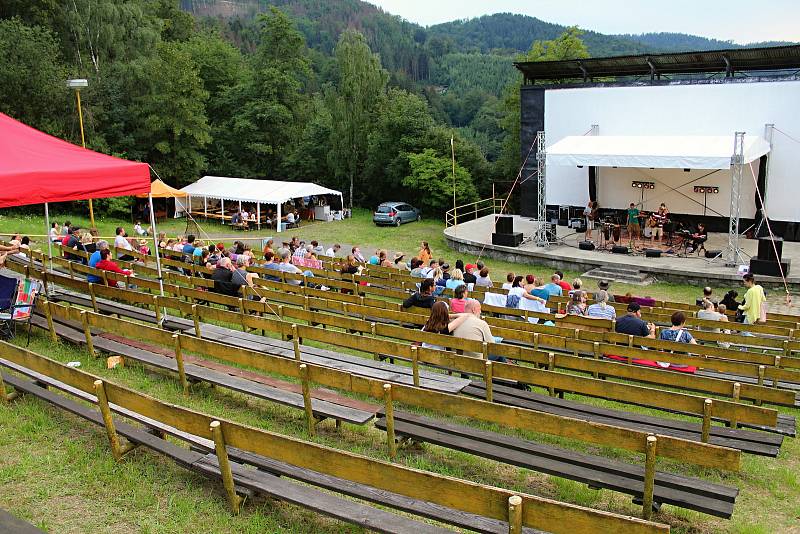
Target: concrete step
<point>624,275</point>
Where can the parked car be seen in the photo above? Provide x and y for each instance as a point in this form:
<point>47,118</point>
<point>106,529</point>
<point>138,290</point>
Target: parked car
<point>395,213</point>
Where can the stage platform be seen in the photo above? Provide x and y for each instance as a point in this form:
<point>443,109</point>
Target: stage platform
<point>476,236</point>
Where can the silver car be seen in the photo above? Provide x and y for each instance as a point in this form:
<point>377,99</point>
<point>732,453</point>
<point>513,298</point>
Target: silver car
<point>395,213</point>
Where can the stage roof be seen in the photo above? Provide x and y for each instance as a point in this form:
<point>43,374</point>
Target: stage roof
<point>660,152</point>
<point>713,61</point>
<point>249,190</point>
<point>36,168</point>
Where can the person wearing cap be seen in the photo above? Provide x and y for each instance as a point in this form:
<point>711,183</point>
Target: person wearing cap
<point>469,275</point>
<point>632,324</point>
<point>603,285</point>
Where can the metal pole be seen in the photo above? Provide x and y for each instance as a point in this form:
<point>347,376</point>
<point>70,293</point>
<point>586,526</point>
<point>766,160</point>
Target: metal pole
<point>279,217</point>
<point>47,233</point>
<point>453,151</point>
<point>83,144</point>
<point>157,253</point>
<point>541,211</point>
<point>733,254</point>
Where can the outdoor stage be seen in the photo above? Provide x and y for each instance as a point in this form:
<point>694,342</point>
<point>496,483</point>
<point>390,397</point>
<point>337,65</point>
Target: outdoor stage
<point>476,236</point>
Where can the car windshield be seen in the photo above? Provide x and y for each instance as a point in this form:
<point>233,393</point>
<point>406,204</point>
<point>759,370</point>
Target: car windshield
<point>384,209</point>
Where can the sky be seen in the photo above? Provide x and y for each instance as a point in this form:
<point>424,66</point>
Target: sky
<point>741,21</point>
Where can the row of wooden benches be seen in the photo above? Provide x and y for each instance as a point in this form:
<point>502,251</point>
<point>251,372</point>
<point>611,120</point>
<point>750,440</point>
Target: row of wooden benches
<point>309,475</point>
<point>615,475</point>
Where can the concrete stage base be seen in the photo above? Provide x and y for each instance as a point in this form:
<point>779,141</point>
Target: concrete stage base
<point>474,237</point>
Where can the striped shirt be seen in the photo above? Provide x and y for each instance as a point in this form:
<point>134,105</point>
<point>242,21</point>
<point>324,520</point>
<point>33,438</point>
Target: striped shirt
<point>602,312</point>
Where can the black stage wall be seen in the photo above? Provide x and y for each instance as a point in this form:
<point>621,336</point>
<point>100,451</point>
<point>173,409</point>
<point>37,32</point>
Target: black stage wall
<point>532,120</point>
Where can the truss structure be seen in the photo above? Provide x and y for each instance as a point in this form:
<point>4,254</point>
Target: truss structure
<point>733,254</point>
<point>541,238</point>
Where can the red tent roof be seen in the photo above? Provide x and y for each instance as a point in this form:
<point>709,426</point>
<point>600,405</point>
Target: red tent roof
<point>37,168</point>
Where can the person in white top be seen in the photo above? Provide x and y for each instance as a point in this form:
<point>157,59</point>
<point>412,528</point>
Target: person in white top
<point>332,251</point>
<point>138,229</point>
<point>121,242</point>
<point>54,232</point>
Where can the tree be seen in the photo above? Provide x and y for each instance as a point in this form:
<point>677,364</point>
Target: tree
<point>360,83</point>
<point>568,45</point>
<point>33,78</point>
<point>176,24</point>
<point>267,109</point>
<point>431,181</point>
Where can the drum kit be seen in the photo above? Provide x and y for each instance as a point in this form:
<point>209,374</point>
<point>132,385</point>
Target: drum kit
<point>613,229</point>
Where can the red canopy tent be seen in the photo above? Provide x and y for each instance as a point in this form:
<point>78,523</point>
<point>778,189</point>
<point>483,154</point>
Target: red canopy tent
<point>37,168</point>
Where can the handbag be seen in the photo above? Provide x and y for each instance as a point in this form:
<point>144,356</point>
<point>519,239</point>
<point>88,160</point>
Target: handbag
<point>762,313</point>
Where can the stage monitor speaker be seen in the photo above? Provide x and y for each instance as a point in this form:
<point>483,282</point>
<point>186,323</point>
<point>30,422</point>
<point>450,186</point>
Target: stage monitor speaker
<point>769,267</point>
<point>505,224</point>
<point>586,245</point>
<point>766,250</point>
<point>550,232</point>
<point>713,253</point>
<point>652,253</point>
<point>507,240</point>
<point>618,249</point>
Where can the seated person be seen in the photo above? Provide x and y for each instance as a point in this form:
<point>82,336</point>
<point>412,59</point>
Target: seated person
<point>440,322</point>
<point>577,305</point>
<point>271,264</point>
<point>554,288</point>
<point>93,259</point>
<point>423,298</point>
<point>677,332</point>
<point>105,264</point>
<point>632,324</point>
<point>74,242</point>
<point>707,294</point>
<point>699,237</point>
<point>601,309</point>
<point>460,298</point>
<point>223,278</point>
<point>603,285</point>
<point>565,286</point>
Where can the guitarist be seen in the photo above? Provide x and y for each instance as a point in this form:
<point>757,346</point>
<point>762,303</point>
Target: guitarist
<point>657,220</point>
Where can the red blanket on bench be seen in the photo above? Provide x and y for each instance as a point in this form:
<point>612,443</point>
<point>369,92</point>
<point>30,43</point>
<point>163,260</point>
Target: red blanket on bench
<point>652,363</point>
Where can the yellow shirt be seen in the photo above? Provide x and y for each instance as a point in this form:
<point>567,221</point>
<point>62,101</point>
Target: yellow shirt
<point>753,300</point>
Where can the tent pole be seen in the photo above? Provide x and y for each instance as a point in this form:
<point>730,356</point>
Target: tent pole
<point>222,207</point>
<point>258,214</point>
<point>205,207</point>
<point>279,217</point>
<point>47,233</point>
<point>157,253</point>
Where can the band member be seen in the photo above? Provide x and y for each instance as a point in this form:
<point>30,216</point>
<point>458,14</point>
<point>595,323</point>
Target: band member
<point>590,214</point>
<point>659,218</point>
<point>633,224</point>
<point>699,237</point>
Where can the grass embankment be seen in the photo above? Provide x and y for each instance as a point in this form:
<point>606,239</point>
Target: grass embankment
<point>57,471</point>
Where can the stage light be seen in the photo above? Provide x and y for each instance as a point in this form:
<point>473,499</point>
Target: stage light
<point>706,189</point>
<point>580,166</point>
<point>643,185</point>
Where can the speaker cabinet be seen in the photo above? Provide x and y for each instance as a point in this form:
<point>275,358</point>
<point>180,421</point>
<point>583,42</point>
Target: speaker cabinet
<point>766,250</point>
<point>791,232</point>
<point>507,240</point>
<point>617,249</point>
<point>652,253</point>
<point>505,224</point>
<point>769,267</point>
<point>586,245</point>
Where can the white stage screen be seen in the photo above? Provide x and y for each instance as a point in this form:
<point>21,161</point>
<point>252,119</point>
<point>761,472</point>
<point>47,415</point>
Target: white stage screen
<point>700,109</point>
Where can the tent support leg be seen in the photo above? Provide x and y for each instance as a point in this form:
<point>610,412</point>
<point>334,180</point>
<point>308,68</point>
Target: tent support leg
<point>157,254</point>
<point>278,224</point>
<point>47,233</point>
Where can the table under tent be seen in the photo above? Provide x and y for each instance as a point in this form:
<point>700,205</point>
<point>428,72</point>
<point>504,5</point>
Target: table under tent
<point>265,202</point>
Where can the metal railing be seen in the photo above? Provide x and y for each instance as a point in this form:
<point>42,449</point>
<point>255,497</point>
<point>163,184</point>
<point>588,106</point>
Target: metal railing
<point>473,210</point>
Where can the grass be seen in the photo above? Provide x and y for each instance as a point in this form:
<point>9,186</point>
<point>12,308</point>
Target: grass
<point>57,472</point>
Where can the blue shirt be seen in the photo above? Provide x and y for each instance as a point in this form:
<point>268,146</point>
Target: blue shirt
<point>542,293</point>
<point>553,290</point>
<point>452,284</point>
<point>374,260</point>
<point>188,248</point>
<point>93,259</point>
<point>672,335</point>
<point>273,266</point>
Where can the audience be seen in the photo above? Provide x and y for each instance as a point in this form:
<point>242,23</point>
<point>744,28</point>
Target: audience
<point>223,278</point>
<point>509,281</point>
<point>460,297</point>
<point>517,293</point>
<point>677,332</point>
<point>554,288</point>
<point>476,329</point>
<point>416,268</point>
<point>440,322</point>
<point>120,241</point>
<point>483,279</point>
<point>603,286</point>
<point>333,251</point>
<point>577,304</point>
<point>469,274</point>
<point>94,258</point>
<point>456,279</point>
<point>565,287</point>
<point>105,264</point>
<point>425,255</point>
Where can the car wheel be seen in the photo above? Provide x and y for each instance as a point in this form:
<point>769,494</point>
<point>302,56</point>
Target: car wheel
<point>397,222</point>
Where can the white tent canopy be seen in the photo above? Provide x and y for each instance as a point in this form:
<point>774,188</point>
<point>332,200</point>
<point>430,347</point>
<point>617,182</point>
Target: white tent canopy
<point>660,152</point>
<point>247,190</point>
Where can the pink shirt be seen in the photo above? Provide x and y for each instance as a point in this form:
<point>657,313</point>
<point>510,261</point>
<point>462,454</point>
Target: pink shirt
<point>457,305</point>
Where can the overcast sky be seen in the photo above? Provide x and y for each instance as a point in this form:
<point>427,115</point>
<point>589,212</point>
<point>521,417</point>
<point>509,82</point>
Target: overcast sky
<point>742,21</point>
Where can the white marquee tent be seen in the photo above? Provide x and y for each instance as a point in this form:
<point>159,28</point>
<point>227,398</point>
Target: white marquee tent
<point>248,190</point>
<point>662,152</point>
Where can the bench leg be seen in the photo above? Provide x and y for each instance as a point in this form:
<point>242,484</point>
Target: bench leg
<point>225,467</point>
<point>117,449</point>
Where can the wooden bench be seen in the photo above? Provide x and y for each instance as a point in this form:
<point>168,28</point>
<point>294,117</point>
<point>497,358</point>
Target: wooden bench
<point>759,443</point>
<point>595,471</point>
<point>256,481</point>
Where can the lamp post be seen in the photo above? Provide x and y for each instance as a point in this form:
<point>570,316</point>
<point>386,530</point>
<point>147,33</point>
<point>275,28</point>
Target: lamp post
<point>78,84</point>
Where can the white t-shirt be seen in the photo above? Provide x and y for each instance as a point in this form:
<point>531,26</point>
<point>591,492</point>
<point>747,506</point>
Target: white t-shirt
<point>330,252</point>
<point>507,285</point>
<point>121,242</point>
<point>290,217</point>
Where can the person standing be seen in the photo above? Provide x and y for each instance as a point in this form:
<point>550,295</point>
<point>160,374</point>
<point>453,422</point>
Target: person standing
<point>659,219</point>
<point>634,230</point>
<point>425,253</point>
<point>755,301</point>
<point>590,215</point>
